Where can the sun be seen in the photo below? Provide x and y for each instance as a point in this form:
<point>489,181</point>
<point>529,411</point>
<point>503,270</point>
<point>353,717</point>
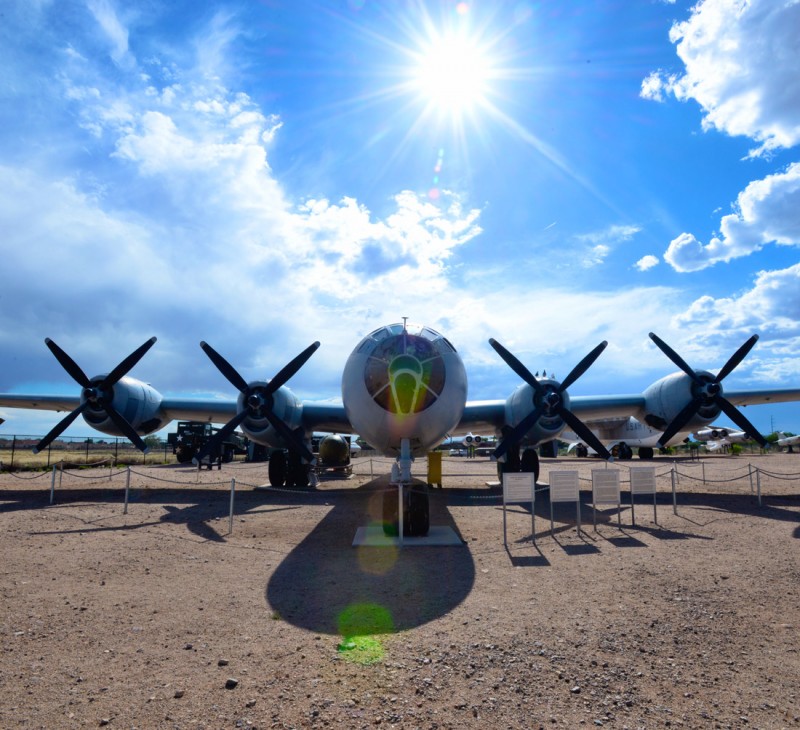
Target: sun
<point>452,73</point>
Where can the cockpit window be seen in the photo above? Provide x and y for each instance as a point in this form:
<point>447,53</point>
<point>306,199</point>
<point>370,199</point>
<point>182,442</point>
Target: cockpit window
<point>405,373</point>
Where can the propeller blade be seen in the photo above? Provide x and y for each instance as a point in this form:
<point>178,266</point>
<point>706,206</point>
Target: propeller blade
<point>736,358</point>
<point>741,421</point>
<point>127,430</point>
<point>582,366</point>
<point>68,363</point>
<point>213,443</point>
<point>289,436</point>
<point>581,430</point>
<point>518,432</point>
<point>288,370</point>
<point>59,428</point>
<point>516,365</point>
<point>680,421</point>
<point>225,367</point>
<point>675,357</point>
<point>128,363</point>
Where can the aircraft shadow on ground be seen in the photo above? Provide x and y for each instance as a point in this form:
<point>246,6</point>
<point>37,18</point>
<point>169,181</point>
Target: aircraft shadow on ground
<point>328,586</point>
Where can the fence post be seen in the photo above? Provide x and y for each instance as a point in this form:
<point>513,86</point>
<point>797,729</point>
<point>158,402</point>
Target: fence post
<point>758,484</point>
<point>13,449</point>
<point>53,484</point>
<point>230,519</point>
<point>674,496</point>
<point>127,490</point>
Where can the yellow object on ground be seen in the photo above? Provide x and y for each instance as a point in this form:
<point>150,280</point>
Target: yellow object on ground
<point>435,468</point>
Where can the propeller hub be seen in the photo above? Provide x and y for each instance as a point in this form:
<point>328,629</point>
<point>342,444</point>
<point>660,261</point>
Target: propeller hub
<point>93,395</point>
<point>255,401</point>
<point>551,402</point>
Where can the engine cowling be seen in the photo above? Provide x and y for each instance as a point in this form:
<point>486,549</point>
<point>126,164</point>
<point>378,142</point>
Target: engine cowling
<point>667,397</point>
<point>286,406</point>
<point>137,402</point>
<point>524,400</point>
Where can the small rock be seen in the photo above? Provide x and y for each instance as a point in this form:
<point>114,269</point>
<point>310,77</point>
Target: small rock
<point>231,683</point>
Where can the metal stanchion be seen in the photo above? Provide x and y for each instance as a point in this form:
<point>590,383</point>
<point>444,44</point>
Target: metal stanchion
<point>127,490</point>
<point>674,494</point>
<point>230,519</point>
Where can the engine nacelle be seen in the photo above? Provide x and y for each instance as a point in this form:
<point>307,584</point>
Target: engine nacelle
<point>137,402</point>
<point>667,397</point>
<point>286,406</point>
<point>523,401</point>
<point>404,382</point>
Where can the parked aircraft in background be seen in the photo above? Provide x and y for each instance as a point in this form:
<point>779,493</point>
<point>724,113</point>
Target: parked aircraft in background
<point>788,442</point>
<point>404,389</point>
<point>719,438</point>
<point>721,434</point>
<point>621,435</point>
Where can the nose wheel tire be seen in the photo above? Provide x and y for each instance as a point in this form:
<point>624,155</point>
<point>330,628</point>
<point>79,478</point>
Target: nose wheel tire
<point>416,512</point>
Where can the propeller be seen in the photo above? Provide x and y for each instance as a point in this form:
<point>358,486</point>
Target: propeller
<point>259,401</point>
<point>549,402</point>
<point>96,394</point>
<point>707,391</point>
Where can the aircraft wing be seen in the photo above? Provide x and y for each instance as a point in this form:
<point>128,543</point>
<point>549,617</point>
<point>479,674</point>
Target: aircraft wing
<point>40,402</point>
<point>759,397</point>
<point>315,416</point>
<point>482,416</point>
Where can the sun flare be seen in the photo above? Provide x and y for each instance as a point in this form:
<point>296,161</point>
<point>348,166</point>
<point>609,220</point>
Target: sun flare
<point>453,74</point>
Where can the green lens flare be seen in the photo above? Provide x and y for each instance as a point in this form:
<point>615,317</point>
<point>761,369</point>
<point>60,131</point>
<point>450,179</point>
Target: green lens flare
<point>362,619</point>
<point>363,650</point>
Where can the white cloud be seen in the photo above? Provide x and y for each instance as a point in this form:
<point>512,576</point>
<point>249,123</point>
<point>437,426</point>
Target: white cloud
<point>770,308</point>
<point>647,262</point>
<point>609,236</point>
<point>599,244</point>
<point>116,32</point>
<point>741,61</point>
<point>766,211</point>
<point>772,305</point>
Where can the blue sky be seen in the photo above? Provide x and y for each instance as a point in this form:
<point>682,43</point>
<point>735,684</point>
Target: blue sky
<point>260,175</point>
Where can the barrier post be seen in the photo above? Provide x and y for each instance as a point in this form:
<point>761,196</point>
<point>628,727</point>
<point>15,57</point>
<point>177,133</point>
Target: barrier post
<point>127,490</point>
<point>758,484</point>
<point>53,484</point>
<point>230,518</point>
<point>674,495</point>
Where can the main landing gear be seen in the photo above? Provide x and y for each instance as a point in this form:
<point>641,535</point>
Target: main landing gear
<point>528,462</point>
<point>286,468</point>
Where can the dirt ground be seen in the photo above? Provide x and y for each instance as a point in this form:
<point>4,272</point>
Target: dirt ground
<point>162,617</point>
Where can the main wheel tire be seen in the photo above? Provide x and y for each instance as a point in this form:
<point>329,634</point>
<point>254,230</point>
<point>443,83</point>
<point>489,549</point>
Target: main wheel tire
<point>530,463</point>
<point>646,452</point>
<point>511,464</point>
<point>278,469</point>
